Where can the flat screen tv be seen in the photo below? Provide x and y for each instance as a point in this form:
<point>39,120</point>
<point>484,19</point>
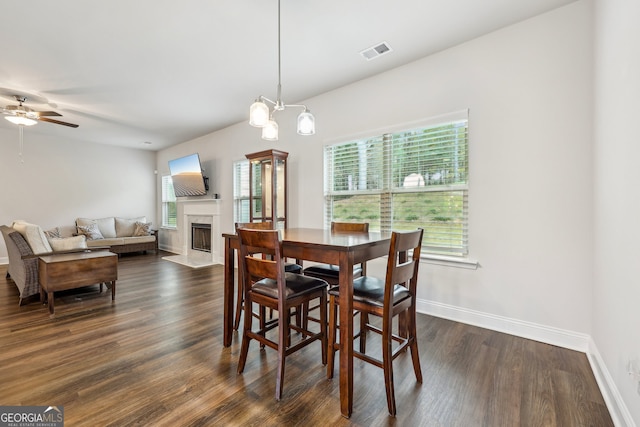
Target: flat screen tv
<point>187,177</point>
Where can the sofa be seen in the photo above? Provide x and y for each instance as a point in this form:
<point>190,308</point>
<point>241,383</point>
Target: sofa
<point>25,242</point>
<point>121,235</point>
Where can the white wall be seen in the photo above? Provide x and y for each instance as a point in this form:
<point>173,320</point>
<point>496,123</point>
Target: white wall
<point>61,180</point>
<point>616,302</point>
<point>529,91</point>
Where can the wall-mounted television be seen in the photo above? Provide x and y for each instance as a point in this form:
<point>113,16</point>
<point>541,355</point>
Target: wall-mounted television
<point>187,177</point>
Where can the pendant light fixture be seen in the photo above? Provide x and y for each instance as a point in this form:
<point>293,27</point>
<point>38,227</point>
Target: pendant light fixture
<point>260,116</point>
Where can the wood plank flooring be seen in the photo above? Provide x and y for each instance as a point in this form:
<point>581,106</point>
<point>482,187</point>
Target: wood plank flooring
<point>154,357</point>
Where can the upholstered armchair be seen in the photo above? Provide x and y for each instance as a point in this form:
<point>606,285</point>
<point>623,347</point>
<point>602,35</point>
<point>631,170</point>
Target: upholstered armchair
<point>23,264</point>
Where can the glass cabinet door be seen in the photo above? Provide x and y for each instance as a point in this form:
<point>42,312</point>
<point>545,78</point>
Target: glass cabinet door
<point>268,189</point>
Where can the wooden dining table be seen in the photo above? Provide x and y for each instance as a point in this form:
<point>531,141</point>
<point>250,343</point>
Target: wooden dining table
<point>318,245</point>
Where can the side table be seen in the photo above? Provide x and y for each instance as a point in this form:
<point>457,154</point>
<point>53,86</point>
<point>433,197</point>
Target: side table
<point>73,270</point>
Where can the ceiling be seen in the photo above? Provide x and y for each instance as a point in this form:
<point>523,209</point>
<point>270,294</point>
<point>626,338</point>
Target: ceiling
<point>149,74</point>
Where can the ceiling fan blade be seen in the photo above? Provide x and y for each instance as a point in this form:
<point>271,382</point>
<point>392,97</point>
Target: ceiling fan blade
<point>58,122</point>
<point>47,113</point>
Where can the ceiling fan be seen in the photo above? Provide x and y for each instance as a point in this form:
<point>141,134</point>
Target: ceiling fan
<point>21,115</point>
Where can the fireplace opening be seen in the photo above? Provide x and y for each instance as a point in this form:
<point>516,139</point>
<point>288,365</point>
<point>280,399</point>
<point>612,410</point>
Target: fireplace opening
<point>201,237</point>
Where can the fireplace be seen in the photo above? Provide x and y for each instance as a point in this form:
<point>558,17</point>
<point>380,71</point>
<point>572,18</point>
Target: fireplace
<point>199,233</point>
<point>201,237</point>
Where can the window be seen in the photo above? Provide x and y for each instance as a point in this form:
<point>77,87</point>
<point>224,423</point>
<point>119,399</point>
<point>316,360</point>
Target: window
<point>405,179</point>
<point>169,206</point>
<point>241,191</point>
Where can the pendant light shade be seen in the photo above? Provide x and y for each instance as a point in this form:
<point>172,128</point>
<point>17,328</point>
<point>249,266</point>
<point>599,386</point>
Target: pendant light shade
<point>306,123</point>
<point>260,116</point>
<point>270,131</point>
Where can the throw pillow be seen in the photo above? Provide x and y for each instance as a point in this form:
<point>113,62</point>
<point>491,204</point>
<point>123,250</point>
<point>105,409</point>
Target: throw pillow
<point>91,231</point>
<point>54,233</point>
<point>142,229</point>
<point>68,243</point>
<point>125,227</point>
<point>34,236</point>
<point>107,226</point>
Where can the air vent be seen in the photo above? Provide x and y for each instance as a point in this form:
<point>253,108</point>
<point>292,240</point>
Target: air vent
<point>376,51</point>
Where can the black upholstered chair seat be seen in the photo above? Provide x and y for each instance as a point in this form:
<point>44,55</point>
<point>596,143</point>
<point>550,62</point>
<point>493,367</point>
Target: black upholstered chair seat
<point>297,285</point>
<point>329,271</point>
<point>371,291</point>
<point>292,268</point>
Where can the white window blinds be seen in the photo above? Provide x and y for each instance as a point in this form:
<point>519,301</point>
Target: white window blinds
<point>241,191</point>
<point>169,206</point>
<point>405,179</point>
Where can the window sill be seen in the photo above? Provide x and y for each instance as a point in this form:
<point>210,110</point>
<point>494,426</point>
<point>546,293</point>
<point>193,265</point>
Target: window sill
<point>167,227</point>
<point>449,261</point>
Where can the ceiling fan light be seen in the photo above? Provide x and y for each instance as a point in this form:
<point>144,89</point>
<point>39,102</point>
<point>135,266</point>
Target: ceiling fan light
<point>306,123</point>
<point>270,131</point>
<point>21,120</point>
<point>258,114</point>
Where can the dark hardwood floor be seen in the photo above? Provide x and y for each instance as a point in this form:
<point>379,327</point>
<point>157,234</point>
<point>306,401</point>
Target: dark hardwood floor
<point>154,357</point>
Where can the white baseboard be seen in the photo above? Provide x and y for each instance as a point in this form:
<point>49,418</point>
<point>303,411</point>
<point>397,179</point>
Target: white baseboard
<point>520,328</point>
<point>549,335</point>
<point>617,408</point>
<point>4,260</point>
<point>170,249</point>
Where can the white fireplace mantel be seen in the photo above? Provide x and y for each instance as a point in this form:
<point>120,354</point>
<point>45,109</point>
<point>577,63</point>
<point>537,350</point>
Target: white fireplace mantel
<point>205,211</point>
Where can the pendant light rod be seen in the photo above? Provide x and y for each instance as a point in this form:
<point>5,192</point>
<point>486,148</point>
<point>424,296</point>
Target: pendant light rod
<point>279,92</point>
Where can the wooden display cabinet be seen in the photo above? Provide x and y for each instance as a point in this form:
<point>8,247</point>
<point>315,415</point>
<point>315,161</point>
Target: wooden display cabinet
<point>268,187</point>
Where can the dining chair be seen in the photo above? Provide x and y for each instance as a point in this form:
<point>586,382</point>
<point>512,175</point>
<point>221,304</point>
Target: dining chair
<point>331,273</point>
<point>288,267</point>
<point>268,285</point>
<point>393,296</point>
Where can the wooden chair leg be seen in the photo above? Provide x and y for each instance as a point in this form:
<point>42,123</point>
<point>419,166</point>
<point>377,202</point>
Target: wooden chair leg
<point>283,337</point>
<point>364,320</point>
<point>404,319</point>
<point>413,345</point>
<point>387,364</point>
<point>323,326</point>
<point>239,306</point>
<point>288,328</point>
<point>331,344</point>
<point>300,319</point>
<point>263,322</point>
<point>244,349</point>
<point>304,320</point>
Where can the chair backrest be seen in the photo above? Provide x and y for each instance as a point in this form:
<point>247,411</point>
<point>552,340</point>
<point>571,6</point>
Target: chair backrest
<point>349,227</point>
<point>256,268</point>
<point>400,269</point>
<point>266,225</point>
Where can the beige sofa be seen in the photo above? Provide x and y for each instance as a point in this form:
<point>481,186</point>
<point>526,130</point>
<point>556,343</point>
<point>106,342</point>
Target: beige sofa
<point>121,235</point>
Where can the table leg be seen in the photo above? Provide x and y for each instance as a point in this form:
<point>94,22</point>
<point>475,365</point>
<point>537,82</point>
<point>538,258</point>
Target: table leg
<point>113,290</point>
<point>346,334</point>
<point>228,293</point>
<point>51,307</point>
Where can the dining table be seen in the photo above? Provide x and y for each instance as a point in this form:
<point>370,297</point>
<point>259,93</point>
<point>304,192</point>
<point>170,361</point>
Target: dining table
<point>318,245</point>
